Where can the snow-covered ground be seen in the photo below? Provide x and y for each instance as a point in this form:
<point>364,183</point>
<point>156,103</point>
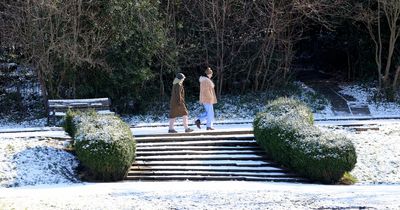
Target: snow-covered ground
<point>200,195</point>
<point>365,96</point>
<point>36,164</point>
<point>8,124</point>
<point>36,173</point>
<point>35,160</point>
<point>378,153</point>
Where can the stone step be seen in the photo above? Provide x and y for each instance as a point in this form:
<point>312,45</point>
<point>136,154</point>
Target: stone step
<point>201,157</point>
<point>204,156</point>
<point>208,168</point>
<point>359,129</point>
<point>197,148</point>
<point>197,152</point>
<point>214,178</point>
<point>195,133</point>
<point>193,138</point>
<point>209,173</point>
<point>243,163</point>
<point>201,143</point>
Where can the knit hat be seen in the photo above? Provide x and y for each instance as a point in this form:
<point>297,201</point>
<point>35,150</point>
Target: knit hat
<point>180,76</point>
<point>208,71</point>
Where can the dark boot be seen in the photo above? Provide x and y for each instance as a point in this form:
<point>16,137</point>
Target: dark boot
<point>188,130</point>
<point>198,123</point>
<point>172,131</point>
<point>210,129</point>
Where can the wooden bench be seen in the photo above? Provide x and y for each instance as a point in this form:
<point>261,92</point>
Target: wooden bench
<point>59,107</point>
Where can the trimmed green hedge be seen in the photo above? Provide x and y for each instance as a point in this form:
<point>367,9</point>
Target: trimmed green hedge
<point>290,109</point>
<point>285,130</point>
<point>69,125</point>
<point>103,143</point>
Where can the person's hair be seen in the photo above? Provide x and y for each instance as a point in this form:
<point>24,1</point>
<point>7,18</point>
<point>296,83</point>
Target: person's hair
<point>203,72</point>
<point>180,76</point>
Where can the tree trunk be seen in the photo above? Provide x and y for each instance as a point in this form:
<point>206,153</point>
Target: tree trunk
<point>396,78</point>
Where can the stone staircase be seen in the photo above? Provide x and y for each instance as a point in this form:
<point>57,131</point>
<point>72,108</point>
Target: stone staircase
<point>211,156</point>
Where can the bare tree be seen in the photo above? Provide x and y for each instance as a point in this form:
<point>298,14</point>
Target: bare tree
<point>53,38</point>
<point>378,15</point>
<point>250,44</point>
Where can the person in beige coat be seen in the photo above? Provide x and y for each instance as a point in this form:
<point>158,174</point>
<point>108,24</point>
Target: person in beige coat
<point>177,104</point>
<point>208,99</point>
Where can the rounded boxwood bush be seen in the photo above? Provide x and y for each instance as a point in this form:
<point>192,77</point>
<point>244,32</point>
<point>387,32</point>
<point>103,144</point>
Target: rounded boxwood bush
<point>291,109</point>
<point>289,137</point>
<point>72,119</point>
<point>104,144</point>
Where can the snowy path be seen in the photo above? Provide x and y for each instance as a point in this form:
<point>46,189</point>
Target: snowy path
<point>200,195</point>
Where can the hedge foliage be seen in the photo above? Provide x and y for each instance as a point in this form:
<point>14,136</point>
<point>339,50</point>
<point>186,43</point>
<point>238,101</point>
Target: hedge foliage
<point>104,144</point>
<point>290,109</point>
<point>69,125</point>
<point>285,130</point>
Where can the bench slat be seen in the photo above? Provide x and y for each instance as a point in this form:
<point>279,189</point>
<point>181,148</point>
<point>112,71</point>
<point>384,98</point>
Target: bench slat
<point>59,107</point>
<point>61,114</point>
<point>91,100</point>
<point>78,107</point>
<point>97,109</point>
<point>80,103</point>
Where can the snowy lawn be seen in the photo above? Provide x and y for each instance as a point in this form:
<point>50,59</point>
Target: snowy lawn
<point>27,161</point>
<point>35,160</point>
<point>365,96</point>
<point>378,154</point>
<point>200,195</point>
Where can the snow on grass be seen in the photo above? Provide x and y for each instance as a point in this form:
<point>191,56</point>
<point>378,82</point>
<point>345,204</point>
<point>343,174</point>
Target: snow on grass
<point>365,96</point>
<point>9,124</point>
<point>35,161</point>
<point>378,154</point>
<point>200,195</point>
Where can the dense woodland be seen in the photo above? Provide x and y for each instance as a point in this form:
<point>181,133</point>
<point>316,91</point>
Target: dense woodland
<point>130,50</point>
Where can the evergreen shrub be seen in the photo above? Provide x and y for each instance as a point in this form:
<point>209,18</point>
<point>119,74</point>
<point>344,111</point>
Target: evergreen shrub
<point>68,124</point>
<point>291,109</point>
<point>71,119</point>
<point>103,143</point>
<point>285,130</point>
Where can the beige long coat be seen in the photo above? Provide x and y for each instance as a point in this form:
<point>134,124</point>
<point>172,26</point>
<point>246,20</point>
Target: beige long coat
<point>177,102</point>
<point>207,92</point>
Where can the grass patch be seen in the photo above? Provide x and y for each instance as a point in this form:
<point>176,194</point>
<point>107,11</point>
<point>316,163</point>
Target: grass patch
<point>348,179</point>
